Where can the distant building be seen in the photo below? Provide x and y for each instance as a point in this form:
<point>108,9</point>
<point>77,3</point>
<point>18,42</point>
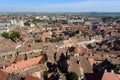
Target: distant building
<point>4,25</point>
<point>76,21</point>
<point>32,25</point>
<point>13,22</point>
<point>21,23</point>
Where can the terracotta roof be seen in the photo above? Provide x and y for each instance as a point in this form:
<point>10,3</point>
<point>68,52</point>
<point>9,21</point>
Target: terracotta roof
<point>46,34</point>
<point>35,30</point>
<point>82,26</point>
<point>6,45</point>
<point>71,40</point>
<point>49,75</point>
<point>3,75</point>
<point>17,59</point>
<point>79,69</point>
<point>38,36</point>
<point>58,31</point>
<point>28,47</point>
<point>29,77</point>
<point>75,49</point>
<point>84,46</point>
<point>14,77</point>
<point>92,61</point>
<point>118,75</point>
<point>23,64</point>
<point>110,76</point>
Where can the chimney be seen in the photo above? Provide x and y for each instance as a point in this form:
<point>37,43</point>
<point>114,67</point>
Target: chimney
<point>15,67</point>
<point>105,71</point>
<point>112,71</point>
<point>4,67</point>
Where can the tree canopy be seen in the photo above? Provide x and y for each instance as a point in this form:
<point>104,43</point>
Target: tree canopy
<point>72,76</point>
<point>5,35</point>
<point>12,35</point>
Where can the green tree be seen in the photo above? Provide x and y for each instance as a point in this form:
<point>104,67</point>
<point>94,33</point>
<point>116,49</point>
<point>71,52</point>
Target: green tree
<point>5,35</point>
<point>72,76</point>
<point>27,23</point>
<point>73,33</point>
<point>14,34</point>
<point>57,39</point>
<point>37,41</point>
<point>89,46</point>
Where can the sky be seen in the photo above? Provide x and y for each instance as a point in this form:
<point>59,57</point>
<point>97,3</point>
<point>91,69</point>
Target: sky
<point>59,5</point>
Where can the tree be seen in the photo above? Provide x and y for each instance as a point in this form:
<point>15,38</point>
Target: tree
<point>73,33</point>
<point>5,35</point>
<point>14,35</point>
<point>89,46</point>
<point>72,76</point>
<point>27,23</point>
<point>57,39</point>
<point>37,41</point>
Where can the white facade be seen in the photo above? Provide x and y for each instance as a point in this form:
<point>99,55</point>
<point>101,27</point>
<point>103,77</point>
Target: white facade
<point>75,20</point>
<point>32,25</point>
<point>13,22</point>
<point>21,23</point>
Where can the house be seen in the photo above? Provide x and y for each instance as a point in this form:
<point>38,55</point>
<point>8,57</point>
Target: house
<point>78,21</point>
<point>79,65</point>
<point>23,64</point>
<point>58,31</point>
<point>21,23</point>
<point>68,42</point>
<point>3,75</point>
<point>7,45</point>
<point>46,35</point>
<point>32,25</point>
<point>76,51</point>
<point>91,60</point>
<point>111,76</point>
<point>30,77</point>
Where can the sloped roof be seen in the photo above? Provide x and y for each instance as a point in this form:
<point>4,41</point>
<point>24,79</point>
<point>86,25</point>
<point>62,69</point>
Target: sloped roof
<point>17,59</point>
<point>3,75</point>
<point>23,64</point>
<point>6,45</point>
<point>29,77</point>
<point>58,31</point>
<point>92,61</point>
<point>46,34</point>
<point>75,49</point>
<point>110,76</point>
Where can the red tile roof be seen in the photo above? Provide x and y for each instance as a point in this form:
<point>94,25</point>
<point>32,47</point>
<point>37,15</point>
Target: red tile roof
<point>70,40</point>
<point>29,77</point>
<point>46,34</point>
<point>3,75</point>
<point>110,76</point>
<point>58,31</point>
<point>28,47</point>
<point>92,61</point>
<point>75,49</point>
<point>23,64</point>
<point>18,59</point>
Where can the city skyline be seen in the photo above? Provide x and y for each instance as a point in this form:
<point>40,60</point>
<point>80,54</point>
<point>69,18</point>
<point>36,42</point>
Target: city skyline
<point>60,6</point>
